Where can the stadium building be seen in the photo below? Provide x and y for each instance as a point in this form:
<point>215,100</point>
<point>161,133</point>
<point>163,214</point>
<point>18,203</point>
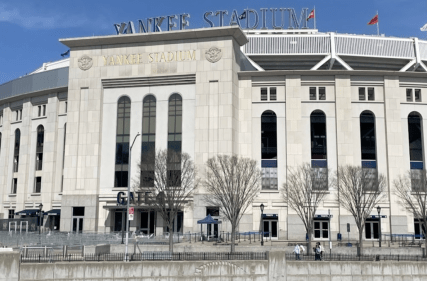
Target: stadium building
<point>281,97</point>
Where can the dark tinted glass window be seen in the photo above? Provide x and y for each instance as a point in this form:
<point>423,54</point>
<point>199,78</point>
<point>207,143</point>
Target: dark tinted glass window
<point>362,93</point>
<point>273,93</point>
<point>263,93</point>
<point>268,135</point>
<point>318,135</point>
<point>213,211</point>
<point>367,136</point>
<point>148,146</point>
<point>78,211</point>
<point>322,93</point>
<point>371,94</point>
<point>415,137</point>
<point>16,150</point>
<point>312,93</point>
<point>122,142</point>
<point>39,148</point>
<point>174,140</point>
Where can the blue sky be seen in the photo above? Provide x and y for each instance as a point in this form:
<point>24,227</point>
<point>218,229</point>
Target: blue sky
<point>30,29</point>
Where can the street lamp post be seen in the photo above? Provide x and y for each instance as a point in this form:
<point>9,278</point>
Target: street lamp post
<point>40,217</point>
<point>128,200</point>
<point>262,224</point>
<point>379,223</point>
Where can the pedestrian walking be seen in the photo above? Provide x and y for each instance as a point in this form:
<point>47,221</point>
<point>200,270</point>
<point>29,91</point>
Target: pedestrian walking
<point>297,251</point>
<point>302,249</point>
<point>317,251</point>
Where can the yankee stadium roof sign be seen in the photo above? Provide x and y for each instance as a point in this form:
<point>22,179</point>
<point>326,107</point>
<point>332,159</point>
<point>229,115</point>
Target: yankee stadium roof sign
<point>248,19</point>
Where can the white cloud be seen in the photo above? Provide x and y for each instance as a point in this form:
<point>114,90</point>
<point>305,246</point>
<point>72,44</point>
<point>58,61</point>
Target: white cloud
<point>28,19</point>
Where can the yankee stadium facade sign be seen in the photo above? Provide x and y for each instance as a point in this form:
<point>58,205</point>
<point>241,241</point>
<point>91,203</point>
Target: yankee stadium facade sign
<point>280,18</point>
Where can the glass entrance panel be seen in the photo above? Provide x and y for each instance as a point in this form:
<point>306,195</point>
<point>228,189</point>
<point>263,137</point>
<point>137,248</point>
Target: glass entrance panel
<point>74,224</point>
<point>368,230</point>
<point>371,230</point>
<point>270,228</point>
<point>266,229</point>
<point>77,224</point>
<point>274,229</point>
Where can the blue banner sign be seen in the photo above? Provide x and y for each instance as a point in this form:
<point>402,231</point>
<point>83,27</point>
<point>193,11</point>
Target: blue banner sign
<point>281,18</point>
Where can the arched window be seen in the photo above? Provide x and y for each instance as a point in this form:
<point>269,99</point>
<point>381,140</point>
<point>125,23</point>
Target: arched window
<point>319,162</point>
<point>415,132</point>
<point>39,148</point>
<point>16,150</point>
<point>269,149</point>
<point>368,149</point>
<point>174,139</point>
<point>367,136</point>
<point>122,142</point>
<point>415,137</point>
<point>16,159</point>
<point>318,135</point>
<point>148,147</point>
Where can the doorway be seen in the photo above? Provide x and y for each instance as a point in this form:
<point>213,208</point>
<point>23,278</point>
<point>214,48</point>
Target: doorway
<point>270,229</point>
<point>371,230</point>
<point>77,219</point>
<point>148,220</point>
<point>119,220</point>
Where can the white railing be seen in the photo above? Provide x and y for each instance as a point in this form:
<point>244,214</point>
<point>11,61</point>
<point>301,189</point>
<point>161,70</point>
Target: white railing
<point>288,44</point>
<point>320,44</point>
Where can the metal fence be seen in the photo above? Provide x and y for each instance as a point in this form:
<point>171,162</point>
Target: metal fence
<point>145,256</point>
<point>353,257</point>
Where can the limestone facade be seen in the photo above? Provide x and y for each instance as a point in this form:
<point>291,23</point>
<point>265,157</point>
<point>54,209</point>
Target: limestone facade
<point>222,110</point>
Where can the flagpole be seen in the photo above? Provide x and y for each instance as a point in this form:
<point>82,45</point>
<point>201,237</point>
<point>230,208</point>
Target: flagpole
<point>314,17</point>
<point>378,24</point>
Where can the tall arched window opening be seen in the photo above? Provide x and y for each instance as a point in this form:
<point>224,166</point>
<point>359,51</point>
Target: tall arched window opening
<point>174,139</point>
<point>122,142</point>
<point>16,160</point>
<point>319,162</point>
<point>16,150</point>
<point>368,147</point>
<point>39,148</point>
<point>148,147</point>
<point>269,149</point>
<point>415,133</point>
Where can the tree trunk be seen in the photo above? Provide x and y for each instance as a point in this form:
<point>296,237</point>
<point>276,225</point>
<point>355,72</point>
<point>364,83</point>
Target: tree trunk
<point>233,231</point>
<point>171,239</point>
<point>309,242</point>
<point>360,241</point>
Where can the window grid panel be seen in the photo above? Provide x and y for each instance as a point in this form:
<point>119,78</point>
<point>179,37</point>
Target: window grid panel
<point>362,93</point>
<point>122,142</point>
<point>264,94</point>
<point>322,93</point>
<point>371,94</point>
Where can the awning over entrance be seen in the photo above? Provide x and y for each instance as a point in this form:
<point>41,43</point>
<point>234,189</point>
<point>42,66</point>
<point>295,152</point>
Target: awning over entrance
<point>28,212</point>
<point>208,220</point>
<point>53,212</point>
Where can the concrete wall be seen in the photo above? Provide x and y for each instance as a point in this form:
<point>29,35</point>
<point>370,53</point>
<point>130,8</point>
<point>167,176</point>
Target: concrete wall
<point>275,268</point>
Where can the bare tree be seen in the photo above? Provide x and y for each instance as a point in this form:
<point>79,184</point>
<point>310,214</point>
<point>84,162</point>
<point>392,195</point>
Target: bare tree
<point>169,178</point>
<point>359,191</point>
<point>411,190</point>
<point>304,189</point>
<point>232,183</point>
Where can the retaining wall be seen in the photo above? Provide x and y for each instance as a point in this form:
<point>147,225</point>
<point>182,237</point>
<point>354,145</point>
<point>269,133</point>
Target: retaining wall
<point>275,268</point>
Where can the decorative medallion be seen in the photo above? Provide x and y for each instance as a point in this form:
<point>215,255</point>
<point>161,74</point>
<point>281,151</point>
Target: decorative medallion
<point>213,55</point>
<point>85,62</point>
